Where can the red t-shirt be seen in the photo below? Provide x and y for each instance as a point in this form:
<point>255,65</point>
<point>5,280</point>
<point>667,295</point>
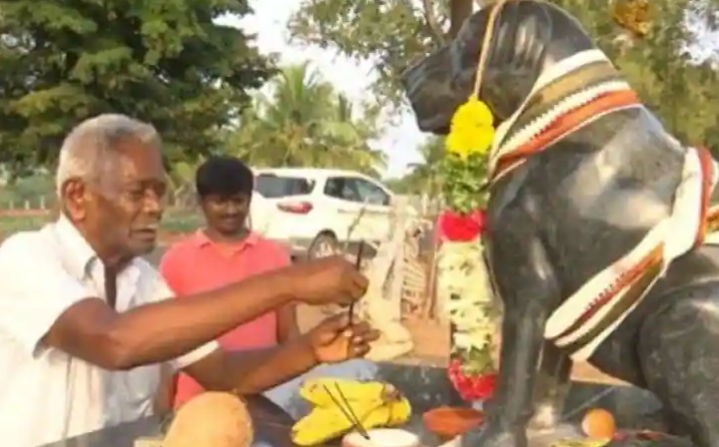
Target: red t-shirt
<point>197,264</point>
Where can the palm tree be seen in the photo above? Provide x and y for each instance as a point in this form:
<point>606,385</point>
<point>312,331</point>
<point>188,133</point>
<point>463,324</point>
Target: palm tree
<point>303,121</point>
<point>293,113</point>
<point>425,177</point>
<point>344,140</point>
<point>250,141</point>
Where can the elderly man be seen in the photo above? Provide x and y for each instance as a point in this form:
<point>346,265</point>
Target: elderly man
<point>85,324</point>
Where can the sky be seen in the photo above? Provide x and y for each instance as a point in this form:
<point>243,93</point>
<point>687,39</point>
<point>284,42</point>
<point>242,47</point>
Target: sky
<point>401,141</point>
<point>268,23</point>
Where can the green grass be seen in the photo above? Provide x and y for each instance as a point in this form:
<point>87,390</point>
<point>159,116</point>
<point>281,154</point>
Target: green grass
<point>182,221</point>
<point>13,224</point>
<point>174,221</point>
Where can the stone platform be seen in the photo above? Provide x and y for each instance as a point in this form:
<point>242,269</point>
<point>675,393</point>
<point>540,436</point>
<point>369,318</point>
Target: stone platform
<point>426,388</point>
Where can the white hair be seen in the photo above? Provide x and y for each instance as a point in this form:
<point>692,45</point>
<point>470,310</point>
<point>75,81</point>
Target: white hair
<point>88,150</point>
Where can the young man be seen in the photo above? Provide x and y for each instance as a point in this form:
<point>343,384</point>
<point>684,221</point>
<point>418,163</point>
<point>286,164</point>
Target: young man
<point>225,251</point>
<point>85,322</point>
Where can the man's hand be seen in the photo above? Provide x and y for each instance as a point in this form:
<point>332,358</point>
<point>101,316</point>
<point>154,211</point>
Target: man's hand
<point>330,280</point>
<point>334,341</point>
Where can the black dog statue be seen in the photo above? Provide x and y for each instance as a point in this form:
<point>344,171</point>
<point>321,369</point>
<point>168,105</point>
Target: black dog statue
<point>600,224</point>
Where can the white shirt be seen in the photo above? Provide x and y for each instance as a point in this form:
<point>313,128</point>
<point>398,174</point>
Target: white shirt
<point>46,395</point>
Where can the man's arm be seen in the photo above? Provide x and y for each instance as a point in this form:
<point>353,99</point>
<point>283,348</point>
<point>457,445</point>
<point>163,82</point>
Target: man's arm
<point>287,327</point>
<point>162,331</point>
<point>334,340</point>
<point>59,311</point>
<point>252,372</point>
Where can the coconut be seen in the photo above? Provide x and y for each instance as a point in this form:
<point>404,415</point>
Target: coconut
<point>211,419</point>
<point>382,437</point>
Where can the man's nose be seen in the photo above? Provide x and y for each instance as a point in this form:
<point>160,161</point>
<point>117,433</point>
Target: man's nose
<point>154,203</point>
<point>233,208</point>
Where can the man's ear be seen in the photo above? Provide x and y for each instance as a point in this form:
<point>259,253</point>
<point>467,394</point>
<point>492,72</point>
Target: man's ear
<point>74,197</point>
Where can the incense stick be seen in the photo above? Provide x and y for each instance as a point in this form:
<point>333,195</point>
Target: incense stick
<point>347,411</point>
<point>358,266</point>
<point>360,427</point>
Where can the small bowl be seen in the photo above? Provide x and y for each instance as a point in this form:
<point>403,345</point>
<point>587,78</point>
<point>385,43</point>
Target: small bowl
<point>450,422</point>
<point>382,437</point>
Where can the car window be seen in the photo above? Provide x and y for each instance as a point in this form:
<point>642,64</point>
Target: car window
<point>273,186</point>
<point>355,190</point>
<point>342,188</point>
<point>371,193</point>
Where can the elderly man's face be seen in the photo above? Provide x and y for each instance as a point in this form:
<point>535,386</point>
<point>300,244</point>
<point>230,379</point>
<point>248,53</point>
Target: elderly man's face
<point>120,213</point>
<point>129,203</point>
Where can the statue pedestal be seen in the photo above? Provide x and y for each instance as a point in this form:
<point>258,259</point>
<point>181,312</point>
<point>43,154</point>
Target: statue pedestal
<point>427,388</point>
<point>550,439</point>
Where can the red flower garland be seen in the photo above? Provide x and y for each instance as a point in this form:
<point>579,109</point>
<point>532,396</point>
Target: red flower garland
<point>471,388</point>
<point>457,227</point>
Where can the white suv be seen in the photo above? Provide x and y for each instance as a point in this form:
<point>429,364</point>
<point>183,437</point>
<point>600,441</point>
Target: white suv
<point>317,211</point>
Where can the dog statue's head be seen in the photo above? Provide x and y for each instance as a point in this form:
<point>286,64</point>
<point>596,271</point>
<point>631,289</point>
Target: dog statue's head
<point>529,36</point>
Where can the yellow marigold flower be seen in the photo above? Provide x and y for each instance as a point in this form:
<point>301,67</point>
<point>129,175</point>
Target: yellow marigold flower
<point>471,129</point>
<point>633,15</point>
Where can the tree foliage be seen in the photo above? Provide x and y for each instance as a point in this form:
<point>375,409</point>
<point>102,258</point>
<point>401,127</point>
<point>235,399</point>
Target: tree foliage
<point>425,176</point>
<point>303,121</point>
<point>163,61</point>
<point>391,33</point>
<point>683,91</point>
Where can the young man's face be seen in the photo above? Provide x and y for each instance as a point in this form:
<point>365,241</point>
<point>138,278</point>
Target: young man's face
<point>226,215</point>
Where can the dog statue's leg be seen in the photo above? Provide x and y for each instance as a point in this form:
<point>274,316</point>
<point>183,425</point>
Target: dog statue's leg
<point>551,388</point>
<point>529,293</point>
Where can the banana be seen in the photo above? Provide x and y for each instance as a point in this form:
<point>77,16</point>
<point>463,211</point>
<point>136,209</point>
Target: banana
<point>314,391</point>
<point>392,414</point>
<point>375,404</point>
<point>322,424</point>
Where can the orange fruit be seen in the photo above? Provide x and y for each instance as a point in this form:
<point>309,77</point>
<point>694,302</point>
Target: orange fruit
<point>598,423</point>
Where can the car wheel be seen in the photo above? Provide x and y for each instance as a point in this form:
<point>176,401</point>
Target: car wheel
<point>325,244</point>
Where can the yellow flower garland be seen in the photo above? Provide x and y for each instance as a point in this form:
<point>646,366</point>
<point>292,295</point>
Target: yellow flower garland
<point>471,129</point>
